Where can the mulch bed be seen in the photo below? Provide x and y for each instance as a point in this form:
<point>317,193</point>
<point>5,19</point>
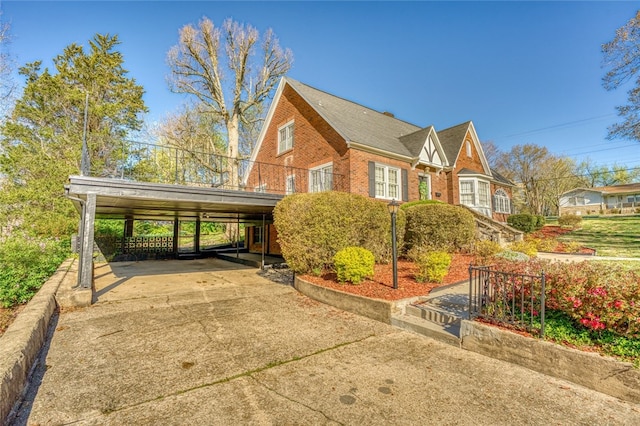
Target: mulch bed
<point>381,286</point>
<point>553,232</point>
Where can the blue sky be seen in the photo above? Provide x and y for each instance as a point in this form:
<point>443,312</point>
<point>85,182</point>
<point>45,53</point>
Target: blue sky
<point>524,72</point>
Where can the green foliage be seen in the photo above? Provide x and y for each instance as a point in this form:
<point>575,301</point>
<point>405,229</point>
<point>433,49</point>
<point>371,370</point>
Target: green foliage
<point>432,265</point>
<point>109,227</point>
<point>513,256</point>
<point>572,221</point>
<point>439,226</point>
<point>597,295</point>
<point>40,142</point>
<point>405,206</point>
<point>525,222</point>
<point>486,249</point>
<point>25,264</point>
<point>354,264</point>
<point>527,247</point>
<point>313,227</point>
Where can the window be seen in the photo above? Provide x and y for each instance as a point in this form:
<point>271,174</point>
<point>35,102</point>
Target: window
<point>475,193</point>
<point>257,234</point>
<point>321,178</point>
<point>483,194</point>
<point>467,192</point>
<point>387,182</point>
<point>290,185</point>
<point>285,137</point>
<point>468,147</point>
<point>502,202</point>
<point>261,188</point>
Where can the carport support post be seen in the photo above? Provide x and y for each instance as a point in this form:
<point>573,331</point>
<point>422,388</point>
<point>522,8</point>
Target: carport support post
<point>264,239</point>
<point>86,256</point>
<point>196,243</point>
<point>176,231</point>
<point>238,238</point>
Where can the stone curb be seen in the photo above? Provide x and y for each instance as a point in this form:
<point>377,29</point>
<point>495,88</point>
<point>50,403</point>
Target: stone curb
<point>376,309</point>
<point>21,343</point>
<point>591,370</point>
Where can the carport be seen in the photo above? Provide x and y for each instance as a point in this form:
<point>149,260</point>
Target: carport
<point>108,198</point>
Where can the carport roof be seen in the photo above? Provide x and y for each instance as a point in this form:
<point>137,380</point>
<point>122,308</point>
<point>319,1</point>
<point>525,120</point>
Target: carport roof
<point>118,199</point>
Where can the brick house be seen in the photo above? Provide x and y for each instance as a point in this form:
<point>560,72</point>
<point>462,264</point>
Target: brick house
<point>323,142</point>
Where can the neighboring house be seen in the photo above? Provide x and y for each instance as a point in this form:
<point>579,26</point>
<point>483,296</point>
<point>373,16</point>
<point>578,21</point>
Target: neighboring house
<point>323,142</point>
<point>581,201</point>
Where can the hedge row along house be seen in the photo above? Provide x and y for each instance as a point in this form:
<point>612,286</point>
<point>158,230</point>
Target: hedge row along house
<point>322,142</point>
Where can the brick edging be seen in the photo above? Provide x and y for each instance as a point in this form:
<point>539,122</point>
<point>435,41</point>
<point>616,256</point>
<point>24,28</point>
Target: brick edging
<point>22,341</point>
<point>600,373</point>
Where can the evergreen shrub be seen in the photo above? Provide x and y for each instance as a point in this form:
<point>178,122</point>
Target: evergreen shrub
<point>439,227</point>
<point>313,227</point>
<point>432,265</point>
<point>572,221</point>
<point>354,264</point>
<point>524,222</point>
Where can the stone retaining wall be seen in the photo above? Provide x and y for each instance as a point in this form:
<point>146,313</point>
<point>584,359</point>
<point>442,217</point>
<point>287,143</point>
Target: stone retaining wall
<point>600,373</point>
<point>20,344</point>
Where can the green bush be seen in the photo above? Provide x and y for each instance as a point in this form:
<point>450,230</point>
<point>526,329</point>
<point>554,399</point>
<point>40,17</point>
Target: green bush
<point>527,247</point>
<point>432,265</point>
<point>513,256</point>
<point>439,227</point>
<point>486,249</point>
<point>572,221</point>
<point>540,221</point>
<point>354,264</point>
<point>405,206</point>
<point>25,264</point>
<point>313,227</point>
<point>524,222</point>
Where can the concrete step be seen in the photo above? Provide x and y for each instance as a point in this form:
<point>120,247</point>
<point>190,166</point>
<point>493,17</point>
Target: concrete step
<point>449,334</point>
<point>432,313</point>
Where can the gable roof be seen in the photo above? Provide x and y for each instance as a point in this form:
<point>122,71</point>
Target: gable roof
<point>356,123</point>
<point>365,128</point>
<point>452,139</point>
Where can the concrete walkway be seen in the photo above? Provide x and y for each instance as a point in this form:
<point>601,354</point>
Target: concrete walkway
<point>211,342</point>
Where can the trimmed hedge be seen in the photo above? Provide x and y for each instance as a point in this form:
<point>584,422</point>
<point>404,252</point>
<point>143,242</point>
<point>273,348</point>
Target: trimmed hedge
<point>313,227</point>
<point>526,222</point>
<point>439,227</point>
<point>432,265</point>
<point>572,221</point>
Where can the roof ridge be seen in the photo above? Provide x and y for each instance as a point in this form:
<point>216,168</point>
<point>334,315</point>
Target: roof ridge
<point>289,79</point>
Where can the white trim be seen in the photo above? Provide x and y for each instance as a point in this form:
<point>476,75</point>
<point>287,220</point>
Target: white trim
<point>288,124</point>
<point>320,168</point>
<point>476,192</point>
<point>290,184</point>
<point>385,181</point>
<point>476,142</point>
<point>501,199</point>
<point>380,152</point>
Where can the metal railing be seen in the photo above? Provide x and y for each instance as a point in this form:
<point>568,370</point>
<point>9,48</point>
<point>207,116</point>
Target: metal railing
<point>517,300</point>
<point>146,162</point>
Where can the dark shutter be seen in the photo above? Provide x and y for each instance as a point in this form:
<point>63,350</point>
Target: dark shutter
<point>405,185</point>
<point>495,202</point>
<point>372,179</point>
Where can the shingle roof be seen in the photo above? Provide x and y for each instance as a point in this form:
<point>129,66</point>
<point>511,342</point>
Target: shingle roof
<point>499,178</point>
<point>619,189</point>
<point>451,140</point>
<point>357,123</point>
<point>415,141</point>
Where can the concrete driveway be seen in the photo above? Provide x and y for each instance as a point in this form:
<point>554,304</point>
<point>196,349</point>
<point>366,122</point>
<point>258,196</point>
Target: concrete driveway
<point>210,342</point>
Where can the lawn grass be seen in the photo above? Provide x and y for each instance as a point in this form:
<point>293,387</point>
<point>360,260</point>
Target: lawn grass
<point>612,236</point>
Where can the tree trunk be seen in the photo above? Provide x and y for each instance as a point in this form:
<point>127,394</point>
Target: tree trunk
<point>232,151</point>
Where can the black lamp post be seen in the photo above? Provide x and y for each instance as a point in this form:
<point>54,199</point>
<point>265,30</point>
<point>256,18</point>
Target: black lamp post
<point>393,209</point>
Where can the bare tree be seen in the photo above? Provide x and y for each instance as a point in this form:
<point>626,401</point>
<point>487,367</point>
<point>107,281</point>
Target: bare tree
<point>622,58</point>
<point>7,85</point>
<point>198,64</point>
<point>491,152</point>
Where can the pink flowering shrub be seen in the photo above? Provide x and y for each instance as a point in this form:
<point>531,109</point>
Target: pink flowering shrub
<point>598,295</point>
